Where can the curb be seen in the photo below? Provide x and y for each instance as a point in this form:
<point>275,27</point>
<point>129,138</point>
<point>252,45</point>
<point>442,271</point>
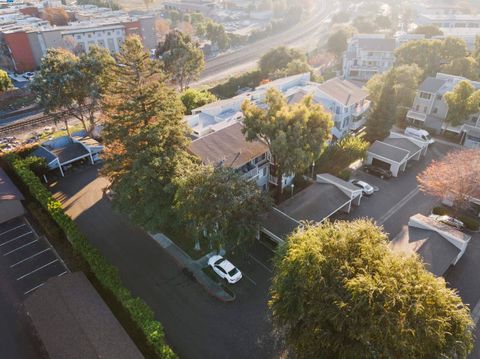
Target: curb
<point>190,268</point>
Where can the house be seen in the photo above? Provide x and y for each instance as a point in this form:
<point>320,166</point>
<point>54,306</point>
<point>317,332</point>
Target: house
<point>438,245</point>
<point>429,109</point>
<point>327,196</point>
<point>395,152</point>
<point>63,151</point>
<point>467,34</point>
<point>452,20</point>
<point>346,101</point>
<point>368,55</point>
<point>228,147</point>
<point>10,199</point>
<point>72,321</point>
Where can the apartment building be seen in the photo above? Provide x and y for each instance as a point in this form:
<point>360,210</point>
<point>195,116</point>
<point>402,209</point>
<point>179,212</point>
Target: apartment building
<point>450,20</point>
<point>229,148</point>
<point>368,55</point>
<point>346,101</point>
<point>25,39</point>
<point>430,110</point>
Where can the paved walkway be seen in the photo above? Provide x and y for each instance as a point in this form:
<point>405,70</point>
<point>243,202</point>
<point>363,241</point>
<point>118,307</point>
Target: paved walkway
<point>192,267</point>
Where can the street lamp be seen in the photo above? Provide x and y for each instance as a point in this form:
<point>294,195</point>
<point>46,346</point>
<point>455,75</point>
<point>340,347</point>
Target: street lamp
<point>292,188</point>
<point>313,170</point>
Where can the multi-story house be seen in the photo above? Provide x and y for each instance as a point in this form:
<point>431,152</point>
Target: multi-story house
<point>430,110</point>
<point>346,102</point>
<point>228,147</point>
<point>368,55</point>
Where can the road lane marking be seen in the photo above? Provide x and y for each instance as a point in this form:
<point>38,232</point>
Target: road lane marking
<point>16,249</point>
<point>398,206</point>
<point>62,274</point>
<point>260,263</point>
<point>14,239</point>
<point>36,270</point>
<point>31,290</point>
<point>12,229</point>
<point>26,259</point>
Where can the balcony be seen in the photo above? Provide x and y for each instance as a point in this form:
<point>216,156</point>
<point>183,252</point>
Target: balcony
<point>360,110</point>
<point>415,115</point>
<point>251,174</point>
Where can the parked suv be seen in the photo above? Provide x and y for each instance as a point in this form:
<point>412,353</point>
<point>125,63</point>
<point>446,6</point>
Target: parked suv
<point>378,171</point>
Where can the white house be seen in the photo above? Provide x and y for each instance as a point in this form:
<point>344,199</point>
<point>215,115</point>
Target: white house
<point>430,110</point>
<point>368,55</point>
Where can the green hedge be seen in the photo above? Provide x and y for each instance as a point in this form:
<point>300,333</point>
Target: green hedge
<point>440,211</point>
<point>106,274</point>
<point>469,222</point>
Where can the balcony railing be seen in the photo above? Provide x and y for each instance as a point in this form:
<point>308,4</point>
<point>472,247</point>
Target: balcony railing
<point>360,110</point>
<point>251,174</point>
<point>416,115</point>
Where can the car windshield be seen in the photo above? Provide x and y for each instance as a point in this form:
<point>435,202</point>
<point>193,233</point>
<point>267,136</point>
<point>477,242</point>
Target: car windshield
<point>218,261</point>
<point>233,272</point>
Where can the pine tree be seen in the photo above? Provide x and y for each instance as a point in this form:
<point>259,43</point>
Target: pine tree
<point>145,136</point>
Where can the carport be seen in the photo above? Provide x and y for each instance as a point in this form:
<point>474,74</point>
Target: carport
<point>316,203</point>
<point>65,150</point>
<point>10,199</point>
<point>387,156</point>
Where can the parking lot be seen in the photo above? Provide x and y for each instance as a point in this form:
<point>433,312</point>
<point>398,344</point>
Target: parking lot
<point>30,259</point>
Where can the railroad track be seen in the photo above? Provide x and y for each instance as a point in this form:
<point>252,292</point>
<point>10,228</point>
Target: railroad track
<point>30,123</point>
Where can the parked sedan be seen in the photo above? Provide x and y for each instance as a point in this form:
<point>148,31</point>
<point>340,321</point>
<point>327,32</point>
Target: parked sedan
<point>367,189</point>
<point>450,221</point>
<point>225,269</point>
<point>378,171</point>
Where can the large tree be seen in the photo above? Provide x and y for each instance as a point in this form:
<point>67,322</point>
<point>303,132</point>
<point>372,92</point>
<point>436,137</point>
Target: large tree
<point>382,117</point>
<point>71,83</point>
<point>456,177</point>
<point>429,31</point>
<point>337,42</point>
<point>145,138</point>
<point>467,67</point>
<point>220,206</point>
<point>340,292</point>
<point>295,134</point>
<point>5,82</point>
<point>181,57</point>
<point>462,102</point>
<point>278,59</point>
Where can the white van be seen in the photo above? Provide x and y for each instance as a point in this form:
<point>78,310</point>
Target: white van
<point>419,134</point>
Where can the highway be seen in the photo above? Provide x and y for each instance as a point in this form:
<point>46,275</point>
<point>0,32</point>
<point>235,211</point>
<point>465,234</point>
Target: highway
<point>300,35</point>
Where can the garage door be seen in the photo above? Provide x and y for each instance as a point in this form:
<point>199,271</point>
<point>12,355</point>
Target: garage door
<point>381,164</point>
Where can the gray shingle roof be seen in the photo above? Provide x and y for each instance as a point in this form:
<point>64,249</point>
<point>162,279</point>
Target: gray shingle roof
<point>279,223</point>
<point>70,152</point>
<point>8,191</point>
<point>344,91</point>
<point>431,85</point>
<point>436,252</point>
<point>389,152</point>
<point>377,44</point>
<point>228,145</point>
<point>73,322</point>
<point>403,143</point>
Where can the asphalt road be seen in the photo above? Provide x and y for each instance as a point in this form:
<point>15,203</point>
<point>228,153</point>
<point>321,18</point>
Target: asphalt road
<point>306,32</point>
<point>197,325</point>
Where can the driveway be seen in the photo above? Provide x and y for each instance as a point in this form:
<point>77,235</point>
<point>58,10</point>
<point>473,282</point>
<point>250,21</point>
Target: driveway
<point>196,325</point>
<point>397,198</point>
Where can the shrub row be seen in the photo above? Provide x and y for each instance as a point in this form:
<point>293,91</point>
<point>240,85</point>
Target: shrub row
<point>106,274</point>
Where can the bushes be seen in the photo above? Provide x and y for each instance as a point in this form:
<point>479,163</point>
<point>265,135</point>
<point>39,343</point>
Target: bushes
<point>229,89</point>
<point>440,211</point>
<point>139,313</point>
<point>469,222</point>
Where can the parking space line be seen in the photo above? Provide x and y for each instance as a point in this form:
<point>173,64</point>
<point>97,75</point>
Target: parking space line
<point>397,207</point>
<point>12,229</point>
<point>26,259</point>
<point>250,279</point>
<point>31,290</point>
<point>14,239</point>
<point>17,249</point>
<point>62,274</point>
<point>260,263</point>
<point>263,244</point>
<point>36,270</point>
<point>31,227</point>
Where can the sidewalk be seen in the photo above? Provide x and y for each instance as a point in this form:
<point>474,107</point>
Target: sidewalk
<point>192,267</point>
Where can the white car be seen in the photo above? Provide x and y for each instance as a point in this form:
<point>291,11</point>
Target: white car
<point>366,188</point>
<point>449,221</point>
<point>225,269</point>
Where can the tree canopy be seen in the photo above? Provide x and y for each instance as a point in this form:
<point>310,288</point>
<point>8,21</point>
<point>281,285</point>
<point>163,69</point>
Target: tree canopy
<point>429,31</point>
<point>337,42</point>
<point>5,82</point>
<point>220,206</point>
<point>145,138</point>
<point>339,292</point>
<point>462,102</point>
<point>295,134</point>
<point>68,82</point>
<point>181,57</point>
<point>194,98</point>
<point>278,59</point>
<point>454,177</point>
<point>467,67</point>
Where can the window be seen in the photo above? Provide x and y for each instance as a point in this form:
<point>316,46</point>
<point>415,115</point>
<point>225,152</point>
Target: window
<point>425,109</point>
<point>425,95</point>
<point>264,171</point>
<point>89,36</point>
<point>435,110</point>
